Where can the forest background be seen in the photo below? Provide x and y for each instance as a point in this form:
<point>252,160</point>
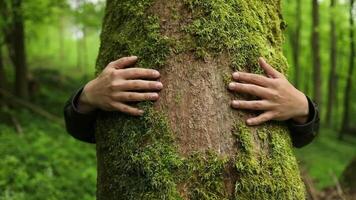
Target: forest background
<point>51,50</point>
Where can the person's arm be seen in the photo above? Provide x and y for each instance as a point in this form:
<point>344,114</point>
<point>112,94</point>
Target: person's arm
<point>279,100</point>
<point>112,90</point>
<point>80,125</point>
<point>303,134</point>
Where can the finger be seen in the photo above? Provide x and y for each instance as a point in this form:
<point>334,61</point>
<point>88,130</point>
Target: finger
<point>250,89</point>
<point>135,96</point>
<point>123,62</point>
<point>262,118</point>
<point>270,71</point>
<point>140,73</point>
<point>252,105</point>
<point>251,78</point>
<point>127,109</point>
<point>138,85</point>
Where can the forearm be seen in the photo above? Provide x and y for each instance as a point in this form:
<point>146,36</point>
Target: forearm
<point>304,134</point>
<point>81,126</point>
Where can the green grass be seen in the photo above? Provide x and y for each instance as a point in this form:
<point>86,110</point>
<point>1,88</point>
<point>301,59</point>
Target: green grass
<point>327,156</point>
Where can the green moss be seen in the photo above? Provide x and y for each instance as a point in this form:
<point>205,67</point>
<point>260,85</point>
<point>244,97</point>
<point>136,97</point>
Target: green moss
<point>138,33</point>
<point>266,175</point>
<point>137,157</point>
<point>243,29</point>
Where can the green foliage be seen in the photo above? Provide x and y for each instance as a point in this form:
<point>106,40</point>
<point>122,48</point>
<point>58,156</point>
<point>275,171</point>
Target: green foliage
<point>44,162</point>
<point>327,157</point>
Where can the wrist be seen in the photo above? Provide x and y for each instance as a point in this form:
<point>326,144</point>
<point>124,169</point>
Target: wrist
<point>84,104</point>
<point>303,115</point>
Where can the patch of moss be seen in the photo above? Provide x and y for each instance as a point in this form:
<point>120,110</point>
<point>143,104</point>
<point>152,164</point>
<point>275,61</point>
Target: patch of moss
<point>266,175</point>
<point>243,29</point>
<point>138,33</point>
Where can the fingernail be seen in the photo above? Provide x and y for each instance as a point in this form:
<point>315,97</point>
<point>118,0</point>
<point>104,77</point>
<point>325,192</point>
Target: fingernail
<point>156,73</point>
<point>235,75</point>
<point>155,95</point>
<point>249,121</point>
<point>141,112</point>
<point>159,85</point>
<point>133,57</point>
<point>232,86</point>
<point>235,103</point>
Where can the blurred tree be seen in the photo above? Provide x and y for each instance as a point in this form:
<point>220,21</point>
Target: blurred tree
<point>14,34</point>
<point>191,144</point>
<point>2,70</point>
<point>333,60</point>
<point>295,41</point>
<point>348,89</point>
<point>316,52</point>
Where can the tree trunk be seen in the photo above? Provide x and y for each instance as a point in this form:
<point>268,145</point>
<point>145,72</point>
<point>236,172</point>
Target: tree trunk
<point>296,44</point>
<point>332,73</point>
<point>2,70</point>
<point>316,53</point>
<point>191,144</point>
<point>18,48</point>
<point>348,88</point>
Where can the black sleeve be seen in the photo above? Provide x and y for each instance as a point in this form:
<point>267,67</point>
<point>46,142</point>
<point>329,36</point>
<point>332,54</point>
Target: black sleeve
<point>303,134</point>
<point>80,126</point>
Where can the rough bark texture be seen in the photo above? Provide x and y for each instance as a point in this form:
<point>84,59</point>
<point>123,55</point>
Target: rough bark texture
<point>332,73</point>
<point>316,52</point>
<point>190,144</point>
<point>348,88</point>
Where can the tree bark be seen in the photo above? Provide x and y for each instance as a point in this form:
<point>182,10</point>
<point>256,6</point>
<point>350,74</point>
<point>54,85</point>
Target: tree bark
<point>348,88</point>
<point>316,52</point>
<point>333,60</point>
<point>191,144</point>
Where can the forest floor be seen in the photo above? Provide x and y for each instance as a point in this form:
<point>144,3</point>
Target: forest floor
<point>44,162</point>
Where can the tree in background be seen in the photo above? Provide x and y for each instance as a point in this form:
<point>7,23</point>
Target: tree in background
<point>14,34</point>
<point>191,144</point>
<point>333,62</point>
<point>316,52</point>
<point>295,41</point>
<point>348,89</point>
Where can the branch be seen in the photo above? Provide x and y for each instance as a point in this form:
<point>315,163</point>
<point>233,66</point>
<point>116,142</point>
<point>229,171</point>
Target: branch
<point>34,108</point>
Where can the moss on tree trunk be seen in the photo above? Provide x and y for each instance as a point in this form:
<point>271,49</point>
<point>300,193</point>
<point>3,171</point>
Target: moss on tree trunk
<point>190,144</point>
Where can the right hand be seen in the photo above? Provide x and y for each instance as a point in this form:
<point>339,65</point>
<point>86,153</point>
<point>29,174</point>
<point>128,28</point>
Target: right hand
<point>117,85</point>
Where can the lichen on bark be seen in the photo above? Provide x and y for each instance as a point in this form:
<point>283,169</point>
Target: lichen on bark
<point>139,158</point>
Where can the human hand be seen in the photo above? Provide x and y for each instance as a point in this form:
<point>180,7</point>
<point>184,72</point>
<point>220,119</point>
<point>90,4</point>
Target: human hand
<point>117,85</point>
<point>279,99</point>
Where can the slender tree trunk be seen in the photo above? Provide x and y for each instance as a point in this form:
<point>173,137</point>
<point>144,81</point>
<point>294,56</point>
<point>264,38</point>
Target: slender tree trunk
<point>316,53</point>
<point>191,144</point>
<point>2,70</point>
<point>18,45</point>
<point>332,73</point>
<point>296,44</point>
<point>348,88</point>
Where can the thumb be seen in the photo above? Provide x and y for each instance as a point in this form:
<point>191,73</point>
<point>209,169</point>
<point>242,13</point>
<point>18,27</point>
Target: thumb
<point>270,71</point>
<point>123,62</point>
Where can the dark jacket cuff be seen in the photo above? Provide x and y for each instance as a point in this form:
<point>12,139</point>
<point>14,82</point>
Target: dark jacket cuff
<point>80,125</point>
<point>303,134</point>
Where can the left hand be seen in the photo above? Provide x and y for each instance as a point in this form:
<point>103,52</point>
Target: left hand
<point>279,99</point>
